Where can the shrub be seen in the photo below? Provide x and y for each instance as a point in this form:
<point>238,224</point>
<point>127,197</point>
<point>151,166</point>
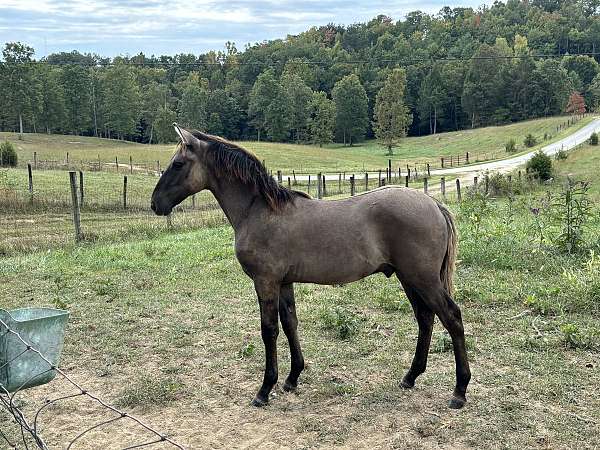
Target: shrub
<point>594,139</point>
<point>511,146</point>
<point>498,184</point>
<point>540,165</point>
<point>8,155</point>
<point>344,323</point>
<point>530,140</point>
<point>561,155</point>
<point>572,209</point>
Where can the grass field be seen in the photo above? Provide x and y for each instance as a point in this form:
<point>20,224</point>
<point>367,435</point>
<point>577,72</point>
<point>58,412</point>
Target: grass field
<point>167,326</point>
<point>481,143</point>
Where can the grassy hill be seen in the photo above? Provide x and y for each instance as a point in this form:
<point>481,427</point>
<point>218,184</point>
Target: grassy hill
<point>482,144</point>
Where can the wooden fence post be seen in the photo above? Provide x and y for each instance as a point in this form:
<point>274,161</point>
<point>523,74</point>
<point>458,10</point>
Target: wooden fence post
<point>75,201</point>
<point>319,186</point>
<point>67,160</point>
<point>383,181</point>
<point>458,194</point>
<point>428,170</point>
<point>130,164</point>
<point>308,187</point>
<point>352,187</point>
<point>467,157</point>
<point>406,180</point>
<point>35,160</point>
<point>340,184</point>
<point>408,171</point>
<point>475,182</point>
<point>443,187</point>
<point>442,162</point>
<point>117,163</point>
<point>289,183</point>
<point>324,187</point>
<point>425,187</point>
<point>81,189</point>
<point>451,161</point>
<point>99,163</point>
<point>158,167</point>
<point>30,175</point>
<point>379,179</point>
<point>125,192</point>
<point>389,175</point>
<point>294,175</point>
<point>366,181</point>
<point>487,183</point>
<point>279,177</point>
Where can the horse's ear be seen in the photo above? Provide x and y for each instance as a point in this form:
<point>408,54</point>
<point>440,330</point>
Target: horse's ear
<point>186,137</point>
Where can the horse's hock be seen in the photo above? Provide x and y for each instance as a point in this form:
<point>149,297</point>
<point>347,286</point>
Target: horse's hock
<point>43,331</point>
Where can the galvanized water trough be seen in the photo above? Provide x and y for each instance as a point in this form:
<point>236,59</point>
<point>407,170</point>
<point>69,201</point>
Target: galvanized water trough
<point>41,328</point>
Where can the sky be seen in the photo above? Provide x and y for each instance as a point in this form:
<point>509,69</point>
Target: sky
<point>159,27</point>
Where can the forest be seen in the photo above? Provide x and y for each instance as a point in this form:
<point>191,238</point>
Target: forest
<point>459,68</point>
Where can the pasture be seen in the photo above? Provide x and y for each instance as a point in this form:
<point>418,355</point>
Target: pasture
<point>481,143</point>
<point>167,326</point>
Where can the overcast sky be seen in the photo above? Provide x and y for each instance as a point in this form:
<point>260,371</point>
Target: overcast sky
<point>114,27</point>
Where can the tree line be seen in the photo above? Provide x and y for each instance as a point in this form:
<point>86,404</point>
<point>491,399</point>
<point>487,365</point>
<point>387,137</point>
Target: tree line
<point>460,68</point>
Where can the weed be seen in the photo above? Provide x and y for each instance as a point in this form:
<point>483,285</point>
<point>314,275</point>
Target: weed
<point>511,145</point>
<point>529,140</point>
<point>248,350</point>
<point>343,322</point>
<point>149,391</point>
<point>571,211</point>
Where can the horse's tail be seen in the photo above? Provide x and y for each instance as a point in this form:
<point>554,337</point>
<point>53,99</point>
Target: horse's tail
<point>448,265</point>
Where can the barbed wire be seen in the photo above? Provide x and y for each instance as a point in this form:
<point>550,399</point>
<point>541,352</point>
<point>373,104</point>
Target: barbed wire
<point>27,428</point>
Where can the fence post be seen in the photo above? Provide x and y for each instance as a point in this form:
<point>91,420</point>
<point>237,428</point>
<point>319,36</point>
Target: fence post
<point>340,184</point>
<point>383,181</point>
<point>442,162</point>
<point>99,163</point>
<point>130,164</point>
<point>158,167</point>
<point>458,194</point>
<point>35,160</point>
<point>467,157</point>
<point>406,180</point>
<point>308,187</point>
<point>443,187</point>
<point>428,170</point>
<point>366,181</point>
<point>487,183</point>
<point>399,173</point>
<point>125,192</point>
<point>279,177</point>
<point>75,201</point>
<point>352,187</point>
<point>289,183</point>
<point>294,175</point>
<point>67,160</point>
<point>379,179</point>
<point>389,175</point>
<point>81,189</point>
<point>519,176</point>
<point>117,163</point>
<point>408,171</point>
<point>475,182</point>
<point>451,161</point>
<point>319,186</point>
<point>324,187</point>
<point>425,187</point>
<point>416,173</point>
<point>30,175</point>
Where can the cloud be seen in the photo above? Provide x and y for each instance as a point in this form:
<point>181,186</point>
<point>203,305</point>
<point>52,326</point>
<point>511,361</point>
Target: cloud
<point>111,27</point>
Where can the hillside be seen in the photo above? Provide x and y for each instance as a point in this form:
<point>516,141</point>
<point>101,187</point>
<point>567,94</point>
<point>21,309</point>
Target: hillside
<point>481,143</point>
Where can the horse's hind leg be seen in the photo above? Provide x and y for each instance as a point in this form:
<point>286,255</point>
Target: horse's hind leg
<point>440,302</point>
<point>289,323</point>
<point>424,317</point>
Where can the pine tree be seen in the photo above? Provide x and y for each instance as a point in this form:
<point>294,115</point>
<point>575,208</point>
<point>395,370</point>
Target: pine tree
<point>392,116</point>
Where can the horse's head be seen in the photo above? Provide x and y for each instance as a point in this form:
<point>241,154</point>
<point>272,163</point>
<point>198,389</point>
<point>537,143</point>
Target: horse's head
<point>185,175</point>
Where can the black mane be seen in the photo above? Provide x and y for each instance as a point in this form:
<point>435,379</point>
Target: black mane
<point>231,160</point>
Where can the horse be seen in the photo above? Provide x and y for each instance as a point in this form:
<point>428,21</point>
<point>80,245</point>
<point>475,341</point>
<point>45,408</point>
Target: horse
<point>283,237</point>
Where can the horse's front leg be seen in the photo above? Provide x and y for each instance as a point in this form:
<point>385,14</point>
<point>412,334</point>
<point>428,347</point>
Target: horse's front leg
<point>289,323</point>
<point>268,301</point>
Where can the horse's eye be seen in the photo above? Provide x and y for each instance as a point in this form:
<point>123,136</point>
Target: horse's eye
<point>177,165</point>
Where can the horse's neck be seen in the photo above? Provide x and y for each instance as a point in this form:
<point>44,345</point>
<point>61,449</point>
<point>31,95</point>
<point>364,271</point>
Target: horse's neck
<point>236,200</point>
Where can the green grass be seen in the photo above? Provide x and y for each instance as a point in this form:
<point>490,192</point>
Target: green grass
<point>169,326</point>
<point>482,144</point>
<point>583,164</point>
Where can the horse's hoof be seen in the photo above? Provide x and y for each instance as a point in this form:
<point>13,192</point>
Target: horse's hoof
<point>407,384</point>
<point>457,402</point>
<point>289,387</point>
<point>259,403</point>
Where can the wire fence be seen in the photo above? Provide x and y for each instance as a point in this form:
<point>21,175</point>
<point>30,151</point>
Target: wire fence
<point>29,435</point>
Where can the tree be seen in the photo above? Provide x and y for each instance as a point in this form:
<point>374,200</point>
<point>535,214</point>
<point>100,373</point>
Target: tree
<point>321,122</point>
<point>576,104</point>
<point>163,125</point>
<point>264,92</point>
<point>297,96</point>
<point>18,81</point>
<point>120,100</point>
<point>192,105</point>
<point>52,107</point>
<point>76,83</point>
<point>432,96</point>
<point>392,117</point>
<point>351,105</point>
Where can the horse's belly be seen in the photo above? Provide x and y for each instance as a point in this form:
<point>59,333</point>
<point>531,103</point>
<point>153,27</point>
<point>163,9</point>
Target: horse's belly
<point>334,270</point>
